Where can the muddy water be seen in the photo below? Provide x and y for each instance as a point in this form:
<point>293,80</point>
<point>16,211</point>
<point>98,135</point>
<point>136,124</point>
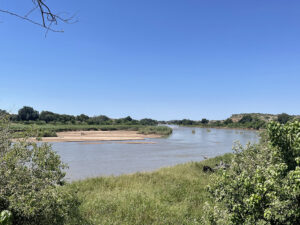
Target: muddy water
<point>122,157</point>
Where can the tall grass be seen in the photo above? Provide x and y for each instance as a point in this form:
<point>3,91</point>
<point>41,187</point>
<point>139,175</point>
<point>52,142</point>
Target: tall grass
<point>173,195</point>
<point>160,130</point>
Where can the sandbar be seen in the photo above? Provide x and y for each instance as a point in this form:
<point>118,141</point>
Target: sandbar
<point>88,136</point>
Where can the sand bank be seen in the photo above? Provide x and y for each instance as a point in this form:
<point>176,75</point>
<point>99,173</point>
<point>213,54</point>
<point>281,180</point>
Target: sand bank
<point>77,136</point>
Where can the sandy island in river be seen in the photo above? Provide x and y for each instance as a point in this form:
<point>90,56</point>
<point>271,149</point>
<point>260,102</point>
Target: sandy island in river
<point>76,136</point>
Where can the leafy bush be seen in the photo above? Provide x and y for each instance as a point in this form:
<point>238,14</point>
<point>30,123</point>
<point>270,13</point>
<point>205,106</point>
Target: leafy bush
<point>31,181</point>
<point>262,185</point>
<point>46,133</point>
<point>5,218</point>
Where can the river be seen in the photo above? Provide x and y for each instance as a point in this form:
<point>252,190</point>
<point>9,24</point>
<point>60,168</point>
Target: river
<point>119,157</point>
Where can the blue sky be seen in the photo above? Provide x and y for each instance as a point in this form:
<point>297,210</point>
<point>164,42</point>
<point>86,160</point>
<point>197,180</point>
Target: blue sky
<point>164,59</point>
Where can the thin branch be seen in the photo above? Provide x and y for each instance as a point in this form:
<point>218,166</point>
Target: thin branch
<point>29,20</point>
<point>48,17</point>
<point>30,11</point>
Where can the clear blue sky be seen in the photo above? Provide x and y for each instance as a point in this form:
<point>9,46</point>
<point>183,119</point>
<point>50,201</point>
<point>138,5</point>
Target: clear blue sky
<point>164,59</point>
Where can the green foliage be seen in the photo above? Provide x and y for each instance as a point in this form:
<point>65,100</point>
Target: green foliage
<point>246,119</point>
<point>159,130</point>
<point>31,181</point>
<point>262,185</point>
<point>148,122</point>
<point>228,121</point>
<point>283,118</point>
<point>5,217</point>
<point>28,113</point>
<point>82,118</point>
<point>204,121</point>
<point>50,130</point>
<point>46,133</point>
<point>100,120</point>
<point>3,112</point>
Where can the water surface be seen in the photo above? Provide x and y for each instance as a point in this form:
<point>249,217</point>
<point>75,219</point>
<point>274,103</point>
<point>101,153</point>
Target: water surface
<point>117,157</point>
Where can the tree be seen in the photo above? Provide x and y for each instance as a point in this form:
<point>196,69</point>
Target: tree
<point>148,122</point>
<point>32,183</point>
<point>187,122</point>
<point>262,185</point>
<point>48,116</point>
<point>99,120</point>
<point>283,118</point>
<point>48,18</point>
<point>82,118</point>
<point>28,113</point>
<point>228,121</point>
<point>128,118</point>
<point>246,119</point>
<point>204,121</point>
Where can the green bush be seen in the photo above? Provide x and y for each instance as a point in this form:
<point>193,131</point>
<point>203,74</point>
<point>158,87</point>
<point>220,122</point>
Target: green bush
<point>262,185</point>
<point>46,133</point>
<point>31,181</point>
<point>5,217</point>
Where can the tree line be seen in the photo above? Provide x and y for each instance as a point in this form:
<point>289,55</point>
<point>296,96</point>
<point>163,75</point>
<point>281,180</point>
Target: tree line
<point>28,114</point>
<point>247,121</point>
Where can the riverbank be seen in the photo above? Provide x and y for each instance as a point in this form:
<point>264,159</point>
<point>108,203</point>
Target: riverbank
<point>73,132</point>
<point>171,195</point>
<point>88,136</point>
<point>220,127</point>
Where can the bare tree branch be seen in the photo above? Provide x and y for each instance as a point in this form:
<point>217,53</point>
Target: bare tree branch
<point>48,18</point>
<point>29,20</point>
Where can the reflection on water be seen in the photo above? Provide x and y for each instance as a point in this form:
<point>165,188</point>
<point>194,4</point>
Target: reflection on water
<point>115,158</point>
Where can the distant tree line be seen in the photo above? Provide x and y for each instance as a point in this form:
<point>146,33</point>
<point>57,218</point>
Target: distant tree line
<point>28,114</point>
<point>247,121</point>
<point>188,122</point>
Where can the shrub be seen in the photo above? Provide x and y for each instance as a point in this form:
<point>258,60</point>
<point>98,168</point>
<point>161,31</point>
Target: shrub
<point>262,185</point>
<point>31,181</point>
<point>5,218</point>
<point>46,133</point>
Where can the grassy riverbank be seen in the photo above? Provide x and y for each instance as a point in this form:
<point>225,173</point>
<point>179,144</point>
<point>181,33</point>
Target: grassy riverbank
<point>173,195</point>
<point>49,130</point>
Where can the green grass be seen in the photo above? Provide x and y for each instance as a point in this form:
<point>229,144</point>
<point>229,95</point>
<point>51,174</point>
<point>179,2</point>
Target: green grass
<point>173,195</point>
<point>160,130</point>
<point>51,129</point>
